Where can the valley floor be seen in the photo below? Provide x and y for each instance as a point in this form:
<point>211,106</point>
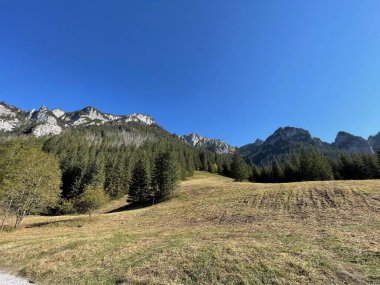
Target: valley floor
<point>215,231</point>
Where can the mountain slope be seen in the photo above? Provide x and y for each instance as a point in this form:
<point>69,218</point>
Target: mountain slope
<point>45,122</point>
<point>288,139</point>
<point>352,144</point>
<point>374,141</point>
<point>281,142</point>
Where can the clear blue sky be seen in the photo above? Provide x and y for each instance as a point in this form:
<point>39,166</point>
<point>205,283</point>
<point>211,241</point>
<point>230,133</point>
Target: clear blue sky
<point>234,70</point>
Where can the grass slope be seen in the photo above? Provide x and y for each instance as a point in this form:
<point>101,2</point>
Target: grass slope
<point>214,231</point>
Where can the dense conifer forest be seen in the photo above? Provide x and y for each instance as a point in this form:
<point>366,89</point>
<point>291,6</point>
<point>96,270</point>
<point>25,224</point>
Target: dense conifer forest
<point>99,163</point>
<point>309,164</point>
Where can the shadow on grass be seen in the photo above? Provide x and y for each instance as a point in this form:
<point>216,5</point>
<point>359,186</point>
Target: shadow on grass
<point>129,207</point>
<point>136,205</point>
<point>74,222</point>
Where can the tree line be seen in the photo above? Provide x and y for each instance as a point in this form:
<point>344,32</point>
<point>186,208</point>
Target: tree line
<point>308,165</point>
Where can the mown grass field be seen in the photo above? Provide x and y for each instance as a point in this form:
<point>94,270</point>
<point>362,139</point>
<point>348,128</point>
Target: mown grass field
<point>214,231</point>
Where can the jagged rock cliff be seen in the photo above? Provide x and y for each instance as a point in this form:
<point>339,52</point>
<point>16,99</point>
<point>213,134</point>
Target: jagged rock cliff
<point>215,145</point>
<point>374,141</point>
<point>43,121</point>
<point>352,144</point>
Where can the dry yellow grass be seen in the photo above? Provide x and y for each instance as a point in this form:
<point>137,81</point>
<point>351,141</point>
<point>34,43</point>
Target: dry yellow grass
<point>214,231</point>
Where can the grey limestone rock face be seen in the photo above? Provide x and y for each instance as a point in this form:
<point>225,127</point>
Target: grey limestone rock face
<point>374,141</point>
<point>352,144</point>
<point>201,142</point>
<point>43,122</point>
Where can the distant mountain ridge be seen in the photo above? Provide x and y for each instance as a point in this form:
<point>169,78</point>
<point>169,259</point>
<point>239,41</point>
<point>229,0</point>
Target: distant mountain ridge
<point>374,141</point>
<point>352,144</point>
<point>45,122</point>
<point>288,139</point>
<point>214,145</point>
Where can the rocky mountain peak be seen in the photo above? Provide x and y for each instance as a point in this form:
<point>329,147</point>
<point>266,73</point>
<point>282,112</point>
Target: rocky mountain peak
<point>58,112</point>
<point>44,109</point>
<point>289,134</point>
<point>374,141</point>
<point>140,118</point>
<point>44,122</point>
<point>193,139</point>
<point>352,144</point>
<point>201,142</point>
<point>42,116</point>
<point>8,117</point>
<point>8,110</point>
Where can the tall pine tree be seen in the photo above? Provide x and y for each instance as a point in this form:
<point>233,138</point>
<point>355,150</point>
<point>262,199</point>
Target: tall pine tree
<point>139,190</point>
<point>239,168</point>
<point>314,166</point>
<point>165,176</point>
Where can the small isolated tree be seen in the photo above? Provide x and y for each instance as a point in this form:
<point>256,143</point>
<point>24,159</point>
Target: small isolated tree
<point>29,180</point>
<point>139,190</point>
<point>239,168</point>
<point>91,199</point>
<point>166,174</point>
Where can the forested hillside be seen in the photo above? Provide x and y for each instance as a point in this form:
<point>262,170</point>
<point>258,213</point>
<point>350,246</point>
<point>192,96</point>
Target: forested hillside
<point>98,163</point>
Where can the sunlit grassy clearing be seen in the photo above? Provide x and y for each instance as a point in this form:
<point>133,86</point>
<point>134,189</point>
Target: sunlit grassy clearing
<point>214,231</point>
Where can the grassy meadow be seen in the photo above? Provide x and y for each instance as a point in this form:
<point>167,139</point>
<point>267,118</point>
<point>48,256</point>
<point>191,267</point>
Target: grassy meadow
<point>214,231</point>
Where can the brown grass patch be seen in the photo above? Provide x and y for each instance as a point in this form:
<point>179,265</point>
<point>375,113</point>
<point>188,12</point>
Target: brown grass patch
<point>215,231</point>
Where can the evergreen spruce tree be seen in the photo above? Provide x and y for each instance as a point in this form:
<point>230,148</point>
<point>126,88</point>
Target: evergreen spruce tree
<point>239,168</point>
<point>255,174</point>
<point>165,176</point>
<point>139,190</point>
<point>314,166</point>
<point>290,172</point>
<point>370,167</point>
<point>277,171</point>
<point>204,161</point>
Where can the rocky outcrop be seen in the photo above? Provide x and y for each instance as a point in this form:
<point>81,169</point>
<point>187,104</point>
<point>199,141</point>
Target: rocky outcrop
<point>42,116</point>
<point>8,125</point>
<point>352,144</point>
<point>215,145</point>
<point>44,122</point>
<point>374,141</point>
<point>91,116</point>
<point>136,117</point>
<point>8,117</point>
<point>46,129</point>
<point>85,116</point>
<point>58,113</point>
